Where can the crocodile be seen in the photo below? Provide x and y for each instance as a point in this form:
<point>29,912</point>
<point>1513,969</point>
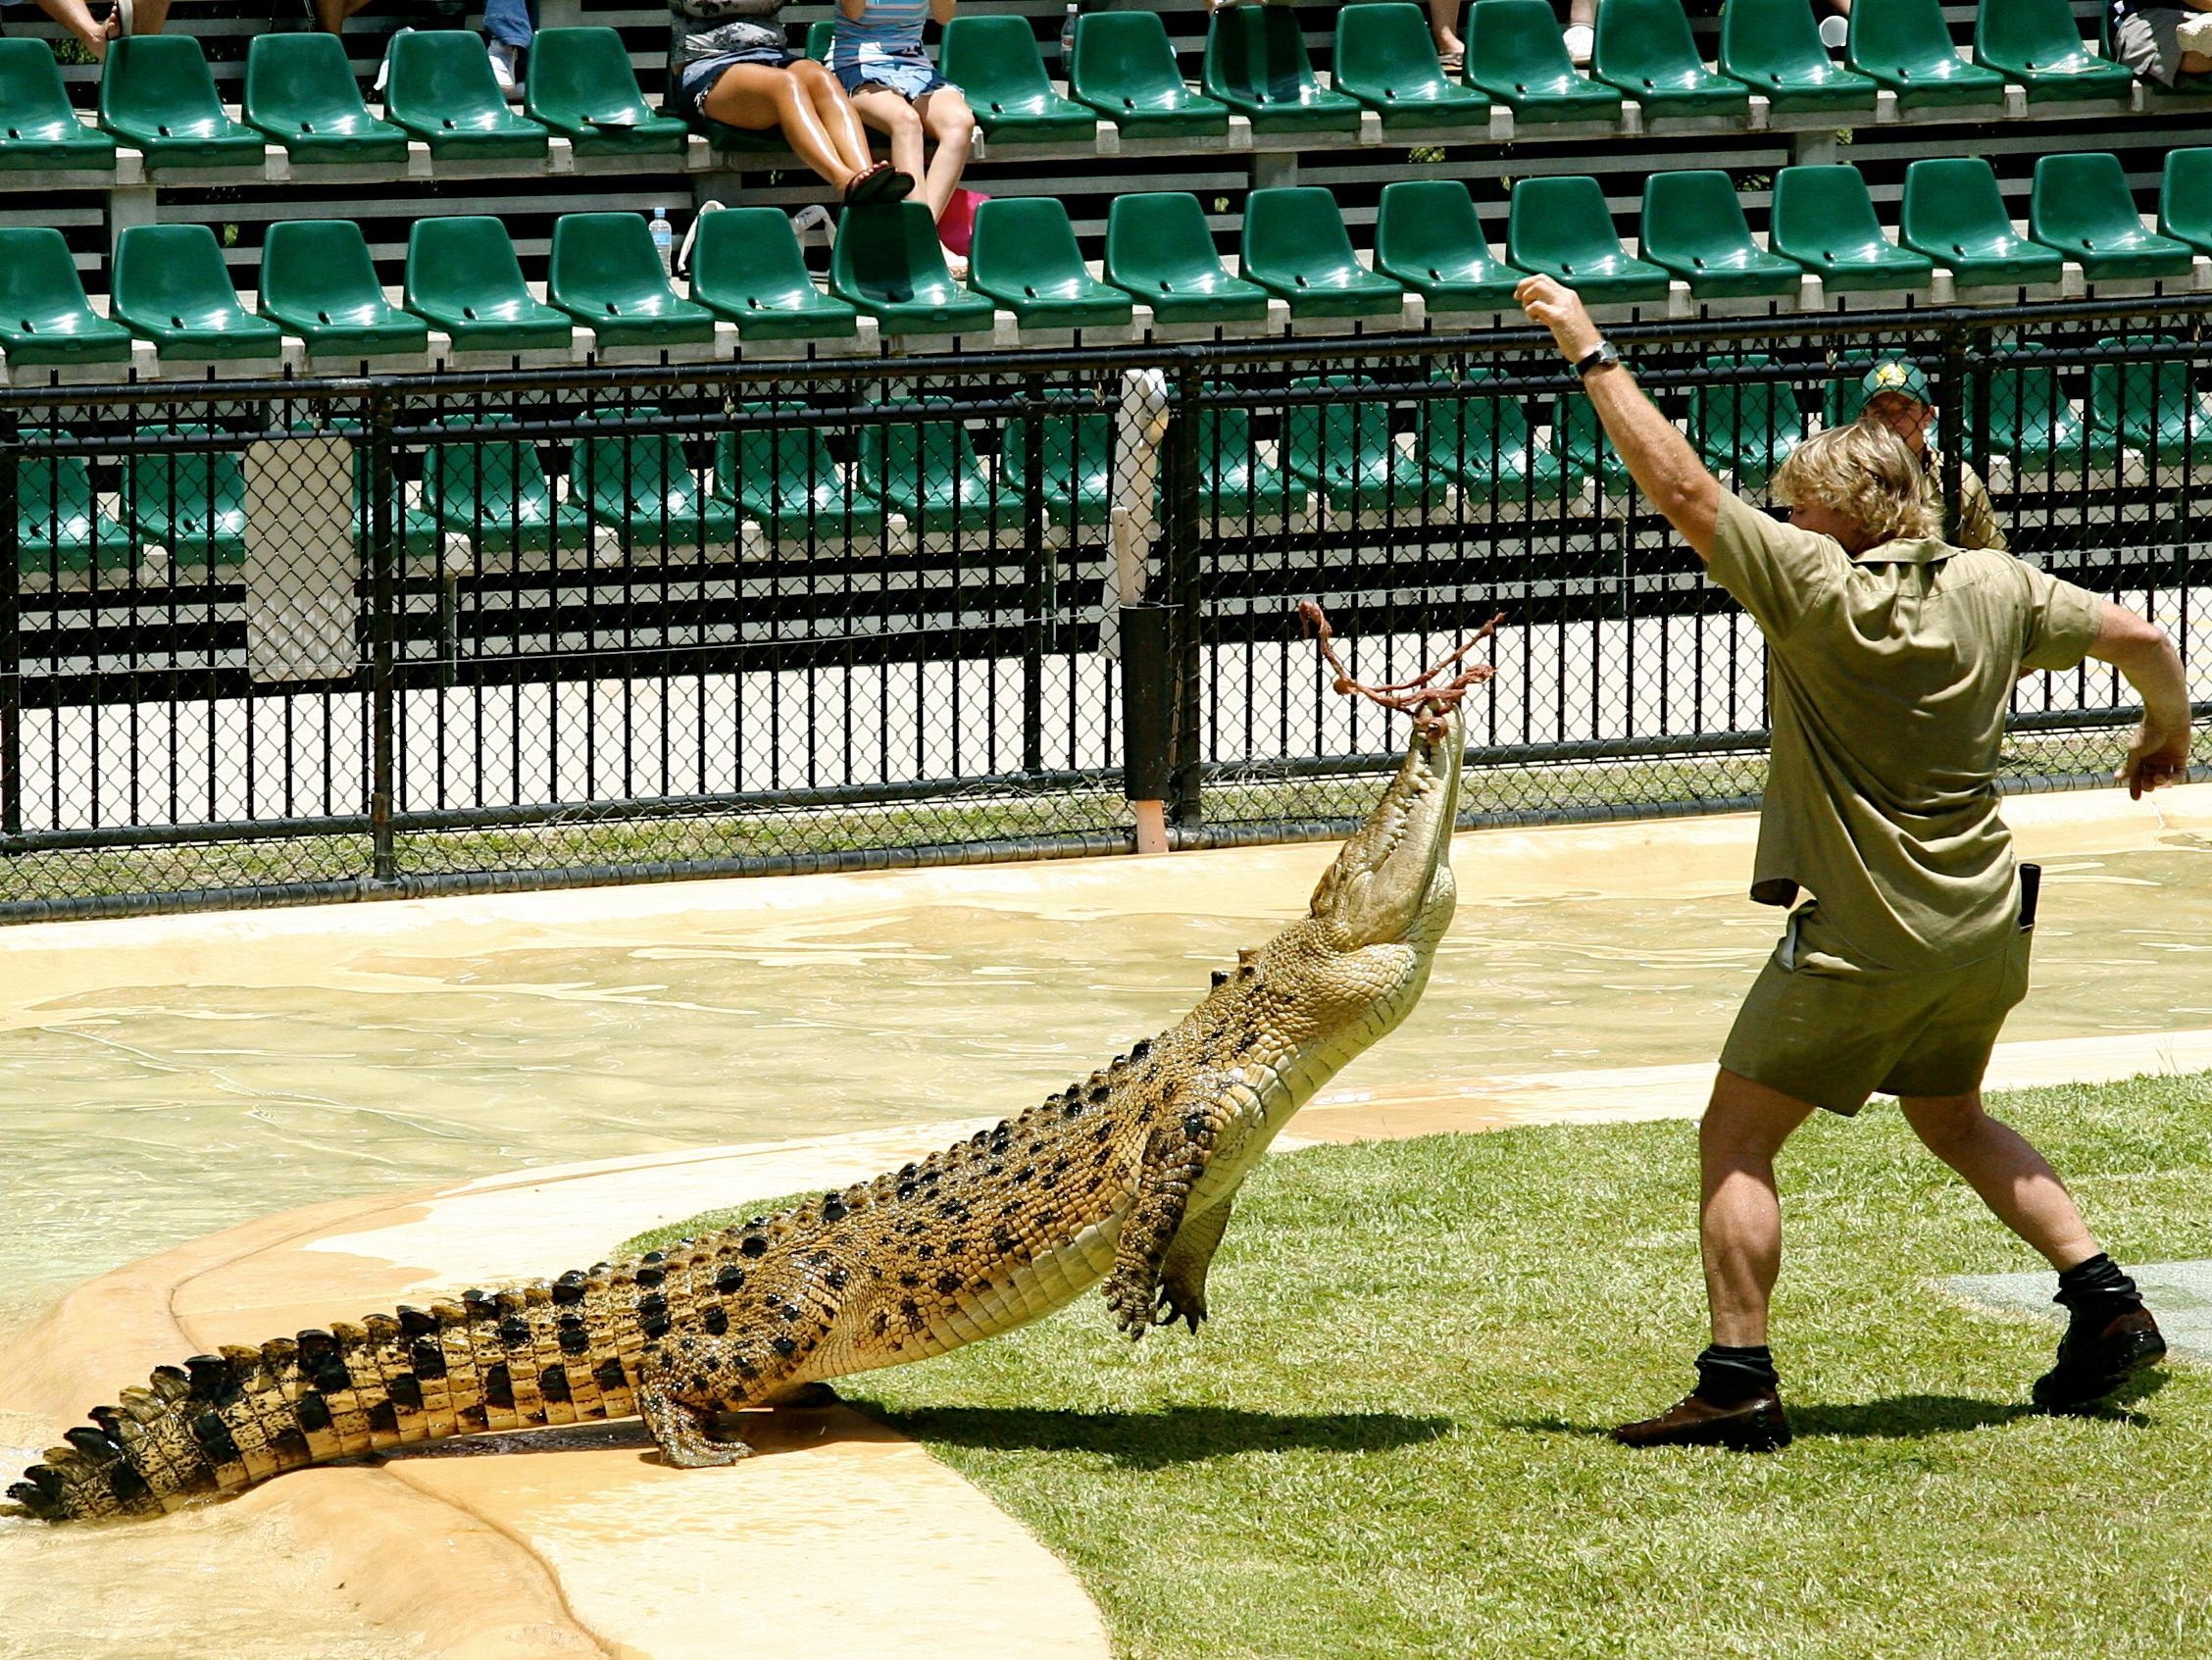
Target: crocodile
<point>1128,1177</point>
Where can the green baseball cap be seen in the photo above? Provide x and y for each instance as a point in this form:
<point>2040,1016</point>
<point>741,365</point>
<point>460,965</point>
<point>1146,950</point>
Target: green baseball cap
<point>1895,375</point>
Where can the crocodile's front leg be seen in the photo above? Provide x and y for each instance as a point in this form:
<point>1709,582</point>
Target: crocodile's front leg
<point>1175,1158</point>
<point>1182,1276</point>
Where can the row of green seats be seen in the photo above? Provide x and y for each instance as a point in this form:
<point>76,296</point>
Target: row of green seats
<point>157,96</point>
<point>1337,443</point>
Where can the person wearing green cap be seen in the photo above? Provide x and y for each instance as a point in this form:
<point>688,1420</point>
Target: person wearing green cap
<point>1892,657</point>
<point>1896,397</point>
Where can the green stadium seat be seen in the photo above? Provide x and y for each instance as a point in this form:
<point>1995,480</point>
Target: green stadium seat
<point>1515,54</point>
<point>170,286</point>
<point>1256,64</point>
<point>1694,227</point>
<point>493,491</point>
<point>1124,68</point>
<point>441,90</point>
<point>1822,217</point>
<point>2033,423</point>
<point>1076,467</point>
<point>784,479</point>
<point>2082,207</point>
<point>1344,450</point>
<point>318,282</point>
<point>889,262</point>
<point>2036,43</point>
<point>38,130</point>
<point>606,274</point>
<point>301,92</point>
<point>156,94</point>
<point>463,276</point>
<point>579,85</point>
<point>1578,438</point>
<point>1955,214</point>
<point>1023,256</point>
<point>746,266</point>
<point>1905,46</point>
<point>1296,247</point>
<point>927,469</point>
<point>1645,48</point>
<point>995,63</point>
<point>44,316</point>
<point>1483,443</point>
<point>192,502</point>
<point>1235,481</point>
<point>1426,235</point>
<point>1386,58</point>
<point>1774,48</point>
<point>59,526</point>
<point>1159,249</point>
<point>2148,404</point>
<point>1747,427</point>
<point>1560,227</point>
<point>640,485</point>
<point>2185,198</point>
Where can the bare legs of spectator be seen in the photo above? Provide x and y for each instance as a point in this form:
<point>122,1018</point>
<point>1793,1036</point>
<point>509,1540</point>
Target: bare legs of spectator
<point>75,16</point>
<point>331,14</point>
<point>1581,31</point>
<point>1451,51</point>
<point>942,116</point>
<point>803,101</point>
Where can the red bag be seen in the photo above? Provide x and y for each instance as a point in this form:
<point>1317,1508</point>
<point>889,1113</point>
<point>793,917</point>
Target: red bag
<point>956,225</point>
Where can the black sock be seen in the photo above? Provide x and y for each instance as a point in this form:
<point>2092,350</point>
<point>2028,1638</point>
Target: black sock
<point>2094,1292</point>
<point>1730,1376</point>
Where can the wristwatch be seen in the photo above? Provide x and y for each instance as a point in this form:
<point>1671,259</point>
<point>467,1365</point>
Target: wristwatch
<point>1600,356</point>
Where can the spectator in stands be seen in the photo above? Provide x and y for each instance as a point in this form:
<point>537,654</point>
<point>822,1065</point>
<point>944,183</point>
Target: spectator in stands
<point>1581,31</point>
<point>876,53</point>
<point>1443,26</point>
<point>146,17</point>
<point>510,25</point>
<point>728,60</point>
<point>2163,43</point>
<point>1896,397</point>
<point>1893,657</point>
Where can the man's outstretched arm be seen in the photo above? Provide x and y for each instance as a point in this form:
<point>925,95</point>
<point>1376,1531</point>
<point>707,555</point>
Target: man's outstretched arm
<point>2144,653</point>
<point>1659,459</point>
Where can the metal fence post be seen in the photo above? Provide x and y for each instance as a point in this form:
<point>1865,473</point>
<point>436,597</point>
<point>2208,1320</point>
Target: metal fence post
<point>1950,436</point>
<point>383,631</point>
<point>10,631</point>
<point>1181,534</point>
<point>1035,575</point>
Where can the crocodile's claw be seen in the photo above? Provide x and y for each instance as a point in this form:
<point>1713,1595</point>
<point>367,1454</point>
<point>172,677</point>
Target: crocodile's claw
<point>1131,1305</point>
<point>1186,1305</point>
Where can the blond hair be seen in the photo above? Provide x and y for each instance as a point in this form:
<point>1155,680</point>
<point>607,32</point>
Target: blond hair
<point>1863,472</point>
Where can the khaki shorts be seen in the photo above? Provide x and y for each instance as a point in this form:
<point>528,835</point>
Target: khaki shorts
<point>1823,1026</point>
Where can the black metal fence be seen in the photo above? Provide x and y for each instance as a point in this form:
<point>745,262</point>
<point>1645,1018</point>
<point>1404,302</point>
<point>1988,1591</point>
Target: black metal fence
<point>399,636</point>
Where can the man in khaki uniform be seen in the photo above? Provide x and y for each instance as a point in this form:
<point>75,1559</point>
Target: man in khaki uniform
<point>1892,656</point>
<point>1896,397</point>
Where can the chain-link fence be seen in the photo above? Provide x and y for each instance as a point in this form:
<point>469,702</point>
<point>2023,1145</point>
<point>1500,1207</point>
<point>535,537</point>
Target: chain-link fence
<point>438,633</point>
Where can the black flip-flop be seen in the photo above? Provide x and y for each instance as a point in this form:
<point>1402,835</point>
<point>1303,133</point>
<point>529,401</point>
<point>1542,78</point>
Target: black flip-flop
<point>872,185</point>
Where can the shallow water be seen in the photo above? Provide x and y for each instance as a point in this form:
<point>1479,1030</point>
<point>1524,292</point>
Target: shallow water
<point>132,1121</point>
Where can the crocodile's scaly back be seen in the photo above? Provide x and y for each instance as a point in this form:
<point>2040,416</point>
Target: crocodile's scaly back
<point>1126,1175</point>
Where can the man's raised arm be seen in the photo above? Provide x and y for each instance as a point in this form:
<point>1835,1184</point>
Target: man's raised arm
<point>1659,459</point>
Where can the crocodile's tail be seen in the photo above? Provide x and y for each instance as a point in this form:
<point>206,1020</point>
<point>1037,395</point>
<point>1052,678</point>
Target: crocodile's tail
<point>563,1353</point>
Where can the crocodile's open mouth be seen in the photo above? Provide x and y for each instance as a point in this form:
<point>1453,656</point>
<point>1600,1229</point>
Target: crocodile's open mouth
<point>1380,883</point>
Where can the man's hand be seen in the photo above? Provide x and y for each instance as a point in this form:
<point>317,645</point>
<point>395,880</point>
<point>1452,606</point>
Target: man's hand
<point>2156,756</point>
<point>1559,309</point>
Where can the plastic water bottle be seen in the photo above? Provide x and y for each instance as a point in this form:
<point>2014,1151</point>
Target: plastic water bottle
<point>1068,36</point>
<point>663,240</point>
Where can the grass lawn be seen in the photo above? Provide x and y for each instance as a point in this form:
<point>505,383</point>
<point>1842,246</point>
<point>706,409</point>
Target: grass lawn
<point>1388,1442</point>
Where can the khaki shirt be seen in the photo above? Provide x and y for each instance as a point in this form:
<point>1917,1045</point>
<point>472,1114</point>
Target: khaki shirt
<point>1889,673</point>
<point>1978,520</point>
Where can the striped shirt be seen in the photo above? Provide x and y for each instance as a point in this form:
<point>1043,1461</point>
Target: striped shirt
<point>884,29</point>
